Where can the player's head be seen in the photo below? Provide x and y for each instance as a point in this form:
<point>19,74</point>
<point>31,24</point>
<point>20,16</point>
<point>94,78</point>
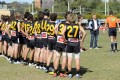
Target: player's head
<point>80,17</point>
<point>111,12</point>
<point>40,15</point>
<point>53,16</point>
<point>71,17</point>
<point>30,17</point>
<point>26,15</point>
<point>46,12</point>
<point>17,15</point>
<point>5,18</point>
<point>66,14</point>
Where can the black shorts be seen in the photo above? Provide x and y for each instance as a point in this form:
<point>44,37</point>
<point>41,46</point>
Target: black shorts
<point>0,37</point>
<point>38,43</point>
<point>10,42</point>
<point>45,42</point>
<point>15,40</point>
<point>73,47</point>
<point>60,47</point>
<point>23,40</point>
<point>31,44</point>
<point>112,32</point>
<point>4,37</point>
<point>51,44</point>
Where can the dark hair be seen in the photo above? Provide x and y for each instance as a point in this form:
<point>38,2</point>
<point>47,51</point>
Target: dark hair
<point>30,17</point>
<point>26,14</point>
<point>111,12</point>
<point>46,12</point>
<point>17,15</point>
<point>53,16</point>
<point>80,16</point>
<point>71,17</point>
<point>5,18</point>
<point>66,14</point>
<point>40,15</point>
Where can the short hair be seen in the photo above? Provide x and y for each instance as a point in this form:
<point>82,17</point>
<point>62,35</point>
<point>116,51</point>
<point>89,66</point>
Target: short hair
<point>5,18</point>
<point>71,17</point>
<point>53,16</point>
<point>111,12</point>
<point>80,16</point>
<point>30,17</point>
<point>26,14</point>
<point>17,15</point>
<point>40,15</point>
<point>66,14</point>
<point>46,12</point>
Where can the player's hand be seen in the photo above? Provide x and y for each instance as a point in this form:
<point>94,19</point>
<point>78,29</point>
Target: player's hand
<point>119,30</point>
<point>104,31</point>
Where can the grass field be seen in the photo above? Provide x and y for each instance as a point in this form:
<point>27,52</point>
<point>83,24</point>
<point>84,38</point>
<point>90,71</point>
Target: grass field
<point>95,65</point>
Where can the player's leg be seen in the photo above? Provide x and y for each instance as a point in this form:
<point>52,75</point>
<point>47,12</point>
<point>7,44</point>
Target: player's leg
<point>15,51</point>
<point>56,62</point>
<point>115,39</point>
<point>0,44</point>
<point>77,59</point>
<point>41,58</point>
<point>69,51</point>
<point>111,35</point>
<point>5,48</point>
<point>64,59</point>
<point>36,57</point>
<point>32,50</point>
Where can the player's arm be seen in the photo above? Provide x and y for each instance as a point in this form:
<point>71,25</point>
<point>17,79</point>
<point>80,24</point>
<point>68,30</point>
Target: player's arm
<point>0,25</point>
<point>21,29</point>
<point>84,35</point>
<point>106,23</point>
<point>7,30</point>
<point>56,28</point>
<point>63,32</point>
<point>26,32</point>
<point>118,25</point>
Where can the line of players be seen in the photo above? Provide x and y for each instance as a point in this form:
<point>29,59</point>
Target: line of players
<point>43,41</point>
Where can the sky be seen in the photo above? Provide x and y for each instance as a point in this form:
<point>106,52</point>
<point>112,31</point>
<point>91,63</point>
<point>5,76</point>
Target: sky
<point>9,1</point>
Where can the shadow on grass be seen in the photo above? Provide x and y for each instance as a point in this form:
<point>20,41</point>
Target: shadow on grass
<point>83,71</point>
<point>111,51</point>
<point>100,47</point>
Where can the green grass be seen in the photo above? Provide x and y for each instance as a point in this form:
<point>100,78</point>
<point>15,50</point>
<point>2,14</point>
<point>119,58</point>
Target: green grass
<point>95,65</point>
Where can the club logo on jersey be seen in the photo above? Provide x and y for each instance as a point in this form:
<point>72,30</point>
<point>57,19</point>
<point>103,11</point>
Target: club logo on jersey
<point>60,39</point>
<point>44,34</point>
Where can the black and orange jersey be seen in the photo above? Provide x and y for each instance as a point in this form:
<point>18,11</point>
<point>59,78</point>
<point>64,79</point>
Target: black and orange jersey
<point>30,27</point>
<point>37,27</point>
<point>13,25</point>
<point>112,21</point>
<point>72,31</point>
<point>44,23</point>
<point>60,38</point>
<point>4,27</point>
<point>23,25</point>
<point>50,29</point>
<point>61,27</point>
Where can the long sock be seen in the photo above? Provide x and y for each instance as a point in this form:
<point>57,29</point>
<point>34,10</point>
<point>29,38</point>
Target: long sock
<point>77,71</point>
<point>41,64</point>
<point>37,63</point>
<point>62,71</point>
<point>47,67</point>
<point>115,45</point>
<point>112,46</point>
<point>69,72</point>
<point>44,64</point>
